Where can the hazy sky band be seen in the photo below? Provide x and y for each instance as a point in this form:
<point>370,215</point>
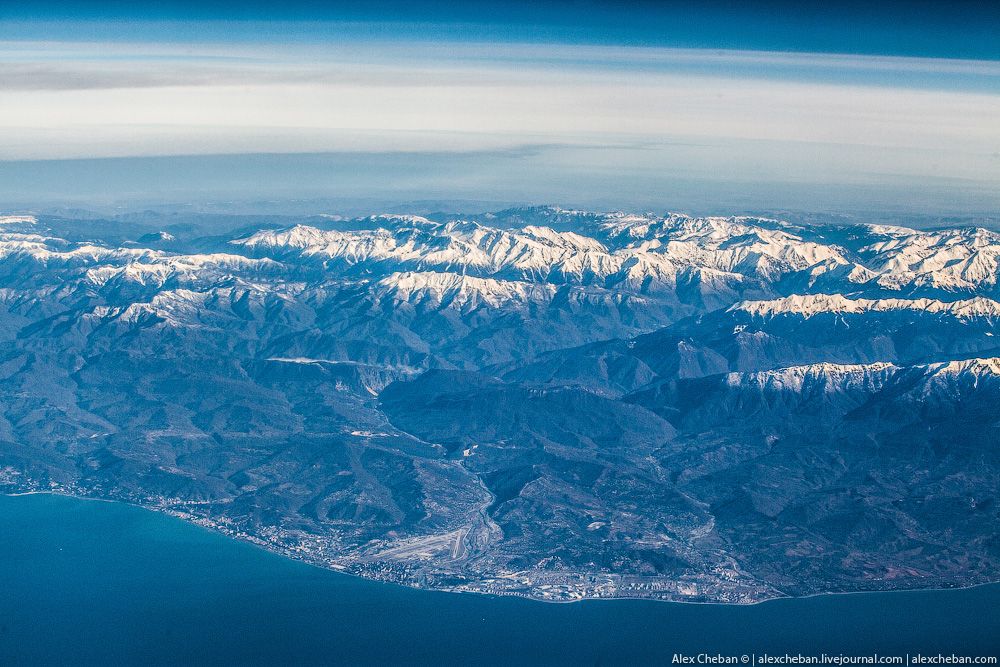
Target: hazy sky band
<point>100,100</point>
<point>573,111</point>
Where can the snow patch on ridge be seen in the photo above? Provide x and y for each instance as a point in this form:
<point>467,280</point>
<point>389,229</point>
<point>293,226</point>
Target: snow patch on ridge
<point>459,290</point>
<point>18,219</point>
<point>869,378</point>
<point>809,305</point>
<point>826,376</point>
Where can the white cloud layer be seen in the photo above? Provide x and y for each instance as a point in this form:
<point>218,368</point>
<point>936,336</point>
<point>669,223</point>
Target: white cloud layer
<point>813,117</point>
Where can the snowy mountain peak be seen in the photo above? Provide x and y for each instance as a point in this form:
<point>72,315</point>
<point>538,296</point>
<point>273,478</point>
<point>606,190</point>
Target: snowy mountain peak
<point>638,252</point>
<point>828,377</point>
<point>18,219</point>
<point>976,367</point>
<point>462,291</point>
<point>809,305</point>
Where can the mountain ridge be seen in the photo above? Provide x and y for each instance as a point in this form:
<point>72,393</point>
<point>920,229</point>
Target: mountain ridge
<point>543,402</point>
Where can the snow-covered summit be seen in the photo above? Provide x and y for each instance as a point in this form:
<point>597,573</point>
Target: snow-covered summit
<point>977,367</point>
<point>18,219</point>
<point>868,378</point>
<point>809,305</point>
<point>434,288</point>
<point>825,377</point>
<point>952,260</point>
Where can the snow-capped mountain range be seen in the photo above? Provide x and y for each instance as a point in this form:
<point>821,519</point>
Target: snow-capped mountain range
<point>654,254</point>
<point>483,402</point>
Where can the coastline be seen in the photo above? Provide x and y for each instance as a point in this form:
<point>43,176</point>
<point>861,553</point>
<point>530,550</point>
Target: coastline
<point>315,563</point>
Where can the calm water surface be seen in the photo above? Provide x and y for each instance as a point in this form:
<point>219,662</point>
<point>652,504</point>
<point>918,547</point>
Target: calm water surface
<point>85,582</point>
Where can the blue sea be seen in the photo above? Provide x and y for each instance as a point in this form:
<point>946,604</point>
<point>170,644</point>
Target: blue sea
<point>97,583</point>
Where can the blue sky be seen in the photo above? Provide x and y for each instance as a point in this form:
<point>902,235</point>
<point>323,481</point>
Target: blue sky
<point>657,105</point>
<point>956,29</point>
